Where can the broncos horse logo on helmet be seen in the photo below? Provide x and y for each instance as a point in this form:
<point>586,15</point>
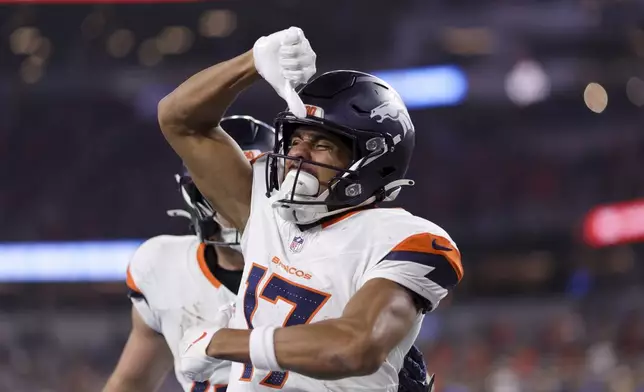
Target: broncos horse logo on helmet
<point>254,137</point>
<point>393,110</point>
<point>371,118</point>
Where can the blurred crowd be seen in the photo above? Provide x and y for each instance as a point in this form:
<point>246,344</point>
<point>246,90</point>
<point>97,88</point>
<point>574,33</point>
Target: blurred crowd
<point>595,350</point>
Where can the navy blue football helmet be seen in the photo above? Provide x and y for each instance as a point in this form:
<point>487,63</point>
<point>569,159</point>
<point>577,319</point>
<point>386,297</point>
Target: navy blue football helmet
<point>254,137</point>
<point>370,116</point>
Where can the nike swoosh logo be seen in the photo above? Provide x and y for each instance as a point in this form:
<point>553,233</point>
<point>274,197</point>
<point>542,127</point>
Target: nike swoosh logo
<point>440,247</point>
<point>203,335</point>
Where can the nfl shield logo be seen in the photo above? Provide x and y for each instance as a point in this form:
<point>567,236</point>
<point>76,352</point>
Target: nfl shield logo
<point>296,244</point>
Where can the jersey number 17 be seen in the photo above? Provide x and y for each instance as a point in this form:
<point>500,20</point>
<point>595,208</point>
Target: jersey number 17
<point>306,302</point>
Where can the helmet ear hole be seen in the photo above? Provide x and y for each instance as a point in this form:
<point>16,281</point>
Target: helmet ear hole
<point>386,171</point>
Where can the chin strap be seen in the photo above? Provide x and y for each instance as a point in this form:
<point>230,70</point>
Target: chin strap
<point>178,213</point>
<point>395,187</point>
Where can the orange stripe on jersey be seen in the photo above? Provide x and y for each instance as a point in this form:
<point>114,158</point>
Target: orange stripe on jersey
<point>249,154</point>
<point>130,281</point>
<point>201,258</point>
<point>432,244</point>
<point>341,217</point>
<point>252,161</point>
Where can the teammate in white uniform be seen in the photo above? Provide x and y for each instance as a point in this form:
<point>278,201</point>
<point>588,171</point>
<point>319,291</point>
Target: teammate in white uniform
<point>176,282</point>
<point>334,289</point>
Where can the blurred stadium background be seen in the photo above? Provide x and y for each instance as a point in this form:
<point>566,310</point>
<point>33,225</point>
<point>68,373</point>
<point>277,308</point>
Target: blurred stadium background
<point>530,152</point>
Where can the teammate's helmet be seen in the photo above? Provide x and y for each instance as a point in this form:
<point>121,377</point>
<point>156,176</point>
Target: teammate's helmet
<point>254,137</point>
<point>370,115</point>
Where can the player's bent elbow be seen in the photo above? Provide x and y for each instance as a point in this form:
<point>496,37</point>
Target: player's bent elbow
<point>168,114</point>
<point>361,358</point>
<point>174,115</point>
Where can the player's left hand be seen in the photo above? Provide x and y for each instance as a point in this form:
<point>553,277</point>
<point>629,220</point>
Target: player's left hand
<point>285,60</point>
<point>195,363</point>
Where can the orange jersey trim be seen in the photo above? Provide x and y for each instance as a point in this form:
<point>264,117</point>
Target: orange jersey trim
<point>346,215</point>
<point>339,218</point>
<point>252,161</point>
<point>201,258</point>
<point>432,244</point>
<point>130,281</point>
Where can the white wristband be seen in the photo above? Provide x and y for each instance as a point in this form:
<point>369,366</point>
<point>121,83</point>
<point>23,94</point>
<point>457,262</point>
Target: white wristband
<point>262,349</point>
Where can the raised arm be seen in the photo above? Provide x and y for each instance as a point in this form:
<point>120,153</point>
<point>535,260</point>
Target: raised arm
<point>189,118</point>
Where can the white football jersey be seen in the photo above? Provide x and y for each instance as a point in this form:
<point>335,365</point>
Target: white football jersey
<point>177,291</point>
<point>297,277</point>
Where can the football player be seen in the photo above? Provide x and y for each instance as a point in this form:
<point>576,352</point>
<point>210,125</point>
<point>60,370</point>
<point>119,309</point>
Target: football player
<point>176,282</point>
<point>334,290</point>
